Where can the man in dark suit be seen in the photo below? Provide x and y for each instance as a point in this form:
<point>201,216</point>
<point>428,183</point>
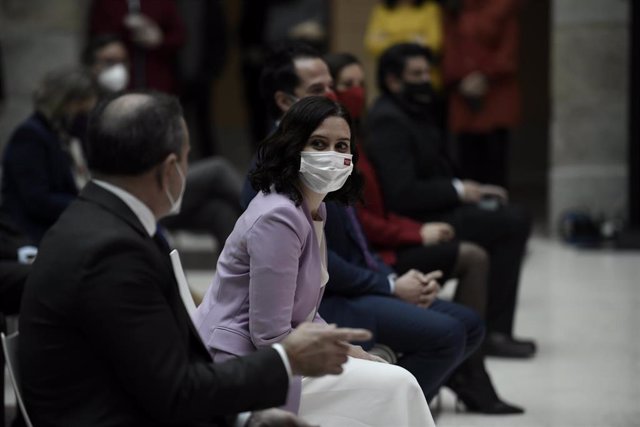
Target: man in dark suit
<point>105,339</point>
<point>419,179</point>
<point>432,336</point>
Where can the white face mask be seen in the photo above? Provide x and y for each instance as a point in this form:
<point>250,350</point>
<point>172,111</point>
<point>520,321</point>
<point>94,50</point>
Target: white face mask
<point>324,172</point>
<point>114,78</point>
<point>176,204</point>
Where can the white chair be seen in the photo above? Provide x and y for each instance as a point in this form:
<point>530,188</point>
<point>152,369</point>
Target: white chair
<point>10,350</point>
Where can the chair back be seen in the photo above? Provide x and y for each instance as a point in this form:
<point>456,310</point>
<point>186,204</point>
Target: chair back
<point>10,350</point>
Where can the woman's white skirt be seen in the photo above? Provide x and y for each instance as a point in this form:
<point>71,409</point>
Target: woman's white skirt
<point>366,394</point>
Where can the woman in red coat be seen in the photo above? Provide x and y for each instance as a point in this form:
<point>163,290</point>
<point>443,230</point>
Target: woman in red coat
<point>480,70</point>
<point>405,244</point>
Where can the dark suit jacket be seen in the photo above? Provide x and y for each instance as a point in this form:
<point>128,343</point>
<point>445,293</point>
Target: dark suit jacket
<point>349,275</point>
<point>37,183</point>
<point>386,231</point>
<point>410,156</point>
<point>105,339</point>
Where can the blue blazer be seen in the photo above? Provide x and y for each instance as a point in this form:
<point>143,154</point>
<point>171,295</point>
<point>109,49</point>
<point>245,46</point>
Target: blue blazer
<point>350,277</point>
<point>37,183</point>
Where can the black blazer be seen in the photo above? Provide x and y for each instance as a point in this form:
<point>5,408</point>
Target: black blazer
<point>37,182</point>
<point>105,339</point>
<point>411,159</point>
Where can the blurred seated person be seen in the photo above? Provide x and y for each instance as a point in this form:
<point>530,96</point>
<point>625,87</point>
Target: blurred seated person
<point>418,179</point>
<point>406,244</point>
<point>211,199</point>
<point>402,242</point>
<point>16,256</point>
<point>272,273</point>
<point>43,165</point>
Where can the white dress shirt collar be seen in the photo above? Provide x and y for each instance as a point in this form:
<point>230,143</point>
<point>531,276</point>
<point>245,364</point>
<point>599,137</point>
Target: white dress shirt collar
<point>142,211</point>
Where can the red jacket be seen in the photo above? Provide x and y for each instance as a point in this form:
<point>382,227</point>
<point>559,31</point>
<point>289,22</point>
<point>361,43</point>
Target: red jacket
<point>107,17</point>
<point>386,232</point>
<point>483,37</point>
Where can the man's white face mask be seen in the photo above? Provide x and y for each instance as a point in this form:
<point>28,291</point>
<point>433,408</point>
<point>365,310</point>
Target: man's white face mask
<point>114,78</point>
<point>325,171</point>
<point>176,204</point>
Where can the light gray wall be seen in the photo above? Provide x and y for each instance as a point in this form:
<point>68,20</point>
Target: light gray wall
<point>36,36</point>
<point>589,103</point>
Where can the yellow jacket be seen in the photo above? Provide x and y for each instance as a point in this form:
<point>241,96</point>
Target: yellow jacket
<point>406,24</point>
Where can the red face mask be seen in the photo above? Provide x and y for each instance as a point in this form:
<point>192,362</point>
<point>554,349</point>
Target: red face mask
<point>331,95</point>
<point>353,100</point>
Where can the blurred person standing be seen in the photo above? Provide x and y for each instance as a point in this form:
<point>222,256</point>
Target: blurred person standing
<point>153,32</point>
<point>201,62</point>
<point>43,165</point>
<point>407,21</point>
<point>481,67</point>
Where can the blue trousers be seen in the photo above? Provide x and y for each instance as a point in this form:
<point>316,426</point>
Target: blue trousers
<point>431,342</point>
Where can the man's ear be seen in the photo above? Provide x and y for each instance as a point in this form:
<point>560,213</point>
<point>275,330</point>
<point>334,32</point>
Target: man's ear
<point>166,168</point>
<point>283,100</point>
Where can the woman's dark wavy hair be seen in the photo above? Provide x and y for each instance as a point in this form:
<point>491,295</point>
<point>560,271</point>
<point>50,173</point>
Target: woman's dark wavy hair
<point>278,162</point>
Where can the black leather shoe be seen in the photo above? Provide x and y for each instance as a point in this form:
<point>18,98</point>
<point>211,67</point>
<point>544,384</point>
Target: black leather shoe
<point>477,394</point>
<point>497,407</point>
<point>501,345</point>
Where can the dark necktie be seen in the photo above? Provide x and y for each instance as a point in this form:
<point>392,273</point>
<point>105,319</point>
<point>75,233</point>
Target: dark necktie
<point>362,242</point>
<point>161,241</point>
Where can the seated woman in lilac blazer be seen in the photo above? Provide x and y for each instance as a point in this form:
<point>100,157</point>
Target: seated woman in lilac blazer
<point>271,273</point>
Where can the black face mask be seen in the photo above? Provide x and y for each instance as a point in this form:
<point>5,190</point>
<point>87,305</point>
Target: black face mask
<point>419,93</point>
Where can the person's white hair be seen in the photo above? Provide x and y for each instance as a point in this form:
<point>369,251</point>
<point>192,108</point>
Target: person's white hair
<point>58,88</point>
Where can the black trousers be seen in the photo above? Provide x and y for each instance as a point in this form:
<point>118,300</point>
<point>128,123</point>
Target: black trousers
<point>503,233</point>
<point>484,157</point>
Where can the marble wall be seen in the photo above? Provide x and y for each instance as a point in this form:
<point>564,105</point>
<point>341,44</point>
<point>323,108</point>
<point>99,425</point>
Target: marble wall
<point>589,106</point>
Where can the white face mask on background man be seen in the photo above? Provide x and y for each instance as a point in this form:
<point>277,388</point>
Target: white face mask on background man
<point>115,78</point>
<point>324,172</point>
<point>176,204</point>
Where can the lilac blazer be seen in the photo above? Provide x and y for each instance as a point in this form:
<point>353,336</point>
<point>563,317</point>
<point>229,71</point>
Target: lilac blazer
<point>267,282</point>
